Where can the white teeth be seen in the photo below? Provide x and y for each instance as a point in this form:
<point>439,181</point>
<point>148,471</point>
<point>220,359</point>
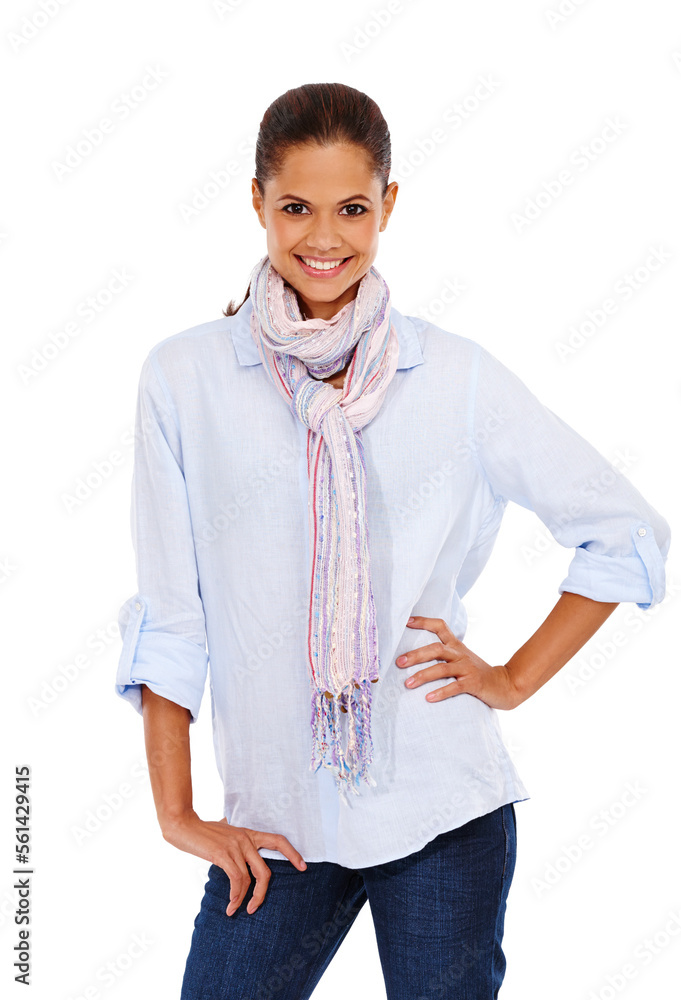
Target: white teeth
<point>322,265</point>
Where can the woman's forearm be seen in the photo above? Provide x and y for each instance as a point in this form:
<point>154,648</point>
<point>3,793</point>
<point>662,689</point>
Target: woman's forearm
<point>571,623</point>
<point>166,737</point>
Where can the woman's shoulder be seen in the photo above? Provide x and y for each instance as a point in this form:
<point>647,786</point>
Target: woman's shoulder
<point>439,344</point>
<point>191,341</point>
<point>182,359</point>
<point>443,343</point>
<point>176,365</point>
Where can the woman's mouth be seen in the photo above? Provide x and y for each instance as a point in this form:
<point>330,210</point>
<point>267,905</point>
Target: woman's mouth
<point>322,267</point>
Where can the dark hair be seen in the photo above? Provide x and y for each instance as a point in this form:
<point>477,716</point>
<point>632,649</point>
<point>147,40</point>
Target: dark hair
<point>322,113</point>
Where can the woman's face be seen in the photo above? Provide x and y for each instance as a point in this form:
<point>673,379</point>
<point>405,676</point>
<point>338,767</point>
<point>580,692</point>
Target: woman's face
<point>325,204</point>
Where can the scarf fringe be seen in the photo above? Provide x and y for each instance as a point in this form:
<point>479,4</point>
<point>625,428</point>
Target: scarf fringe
<point>349,765</point>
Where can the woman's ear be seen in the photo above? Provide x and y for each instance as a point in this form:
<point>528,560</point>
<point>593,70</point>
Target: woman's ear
<point>258,202</point>
<point>388,204</point>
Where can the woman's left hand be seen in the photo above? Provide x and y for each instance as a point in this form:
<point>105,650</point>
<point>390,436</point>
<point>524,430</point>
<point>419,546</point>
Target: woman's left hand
<point>470,673</point>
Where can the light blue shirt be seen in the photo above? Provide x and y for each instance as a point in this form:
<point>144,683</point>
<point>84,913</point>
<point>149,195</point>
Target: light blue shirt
<point>220,531</point>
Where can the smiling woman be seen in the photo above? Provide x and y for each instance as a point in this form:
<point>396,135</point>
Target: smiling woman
<point>323,243</point>
<point>278,544</point>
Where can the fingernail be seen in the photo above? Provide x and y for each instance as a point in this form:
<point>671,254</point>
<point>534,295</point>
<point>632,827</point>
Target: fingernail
<point>401,660</point>
<point>410,682</point>
<point>409,621</point>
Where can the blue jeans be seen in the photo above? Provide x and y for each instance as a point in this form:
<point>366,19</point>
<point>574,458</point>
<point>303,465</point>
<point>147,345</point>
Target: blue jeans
<point>438,916</point>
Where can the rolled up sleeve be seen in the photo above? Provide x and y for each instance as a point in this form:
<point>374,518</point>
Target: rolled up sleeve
<point>162,625</point>
<point>531,456</point>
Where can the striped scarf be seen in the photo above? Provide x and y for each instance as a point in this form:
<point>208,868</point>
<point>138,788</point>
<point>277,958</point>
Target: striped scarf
<point>342,643</point>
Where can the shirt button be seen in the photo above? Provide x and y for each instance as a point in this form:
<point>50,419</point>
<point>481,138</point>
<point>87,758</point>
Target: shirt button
<point>641,532</point>
<point>138,606</point>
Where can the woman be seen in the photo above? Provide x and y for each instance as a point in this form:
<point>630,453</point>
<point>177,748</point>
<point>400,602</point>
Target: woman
<point>318,482</point>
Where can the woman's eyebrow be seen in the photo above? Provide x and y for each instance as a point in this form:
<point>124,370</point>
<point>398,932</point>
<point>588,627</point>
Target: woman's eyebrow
<point>355,197</point>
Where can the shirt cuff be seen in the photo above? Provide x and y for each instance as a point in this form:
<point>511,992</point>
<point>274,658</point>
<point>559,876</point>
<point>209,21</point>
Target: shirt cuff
<point>171,665</point>
<point>638,577</point>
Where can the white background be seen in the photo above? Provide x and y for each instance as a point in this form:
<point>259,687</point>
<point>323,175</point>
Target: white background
<point>67,569</point>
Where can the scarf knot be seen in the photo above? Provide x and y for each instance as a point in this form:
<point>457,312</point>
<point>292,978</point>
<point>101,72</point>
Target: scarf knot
<point>312,401</point>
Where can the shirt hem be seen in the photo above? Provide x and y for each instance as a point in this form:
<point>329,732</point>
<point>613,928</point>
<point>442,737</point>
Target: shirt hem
<point>272,855</point>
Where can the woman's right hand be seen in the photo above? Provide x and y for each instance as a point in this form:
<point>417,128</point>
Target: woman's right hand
<point>232,848</point>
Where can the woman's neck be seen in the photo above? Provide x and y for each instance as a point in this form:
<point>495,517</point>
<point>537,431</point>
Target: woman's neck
<point>338,379</point>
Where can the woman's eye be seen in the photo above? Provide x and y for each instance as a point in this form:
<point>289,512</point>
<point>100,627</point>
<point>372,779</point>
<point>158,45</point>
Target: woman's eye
<point>295,205</point>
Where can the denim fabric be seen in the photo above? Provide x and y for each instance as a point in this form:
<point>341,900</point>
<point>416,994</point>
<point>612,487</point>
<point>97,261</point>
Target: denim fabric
<point>438,917</point>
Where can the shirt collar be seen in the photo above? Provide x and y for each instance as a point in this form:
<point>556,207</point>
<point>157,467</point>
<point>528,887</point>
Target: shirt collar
<point>409,354</point>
